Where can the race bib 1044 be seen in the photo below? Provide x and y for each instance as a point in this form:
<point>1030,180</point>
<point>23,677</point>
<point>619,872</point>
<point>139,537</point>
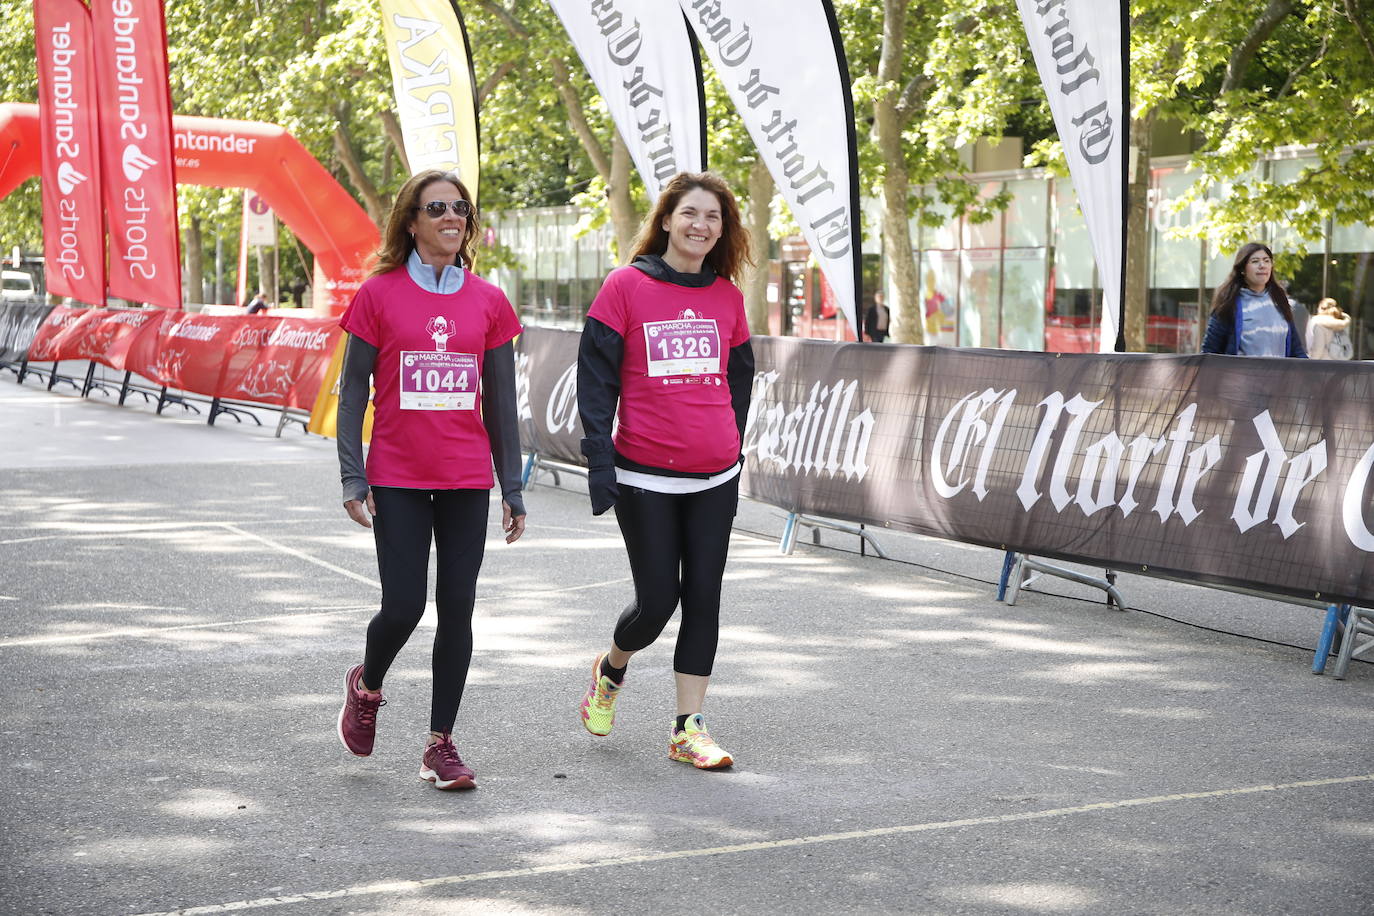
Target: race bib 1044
<point>438,381</point>
<point>683,346</point>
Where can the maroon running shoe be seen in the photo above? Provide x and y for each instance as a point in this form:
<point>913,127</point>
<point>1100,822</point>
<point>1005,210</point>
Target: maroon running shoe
<point>443,767</point>
<point>358,718</point>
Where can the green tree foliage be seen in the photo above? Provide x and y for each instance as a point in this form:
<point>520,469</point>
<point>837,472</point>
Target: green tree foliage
<point>21,210</point>
<point>1248,78</point>
<point>930,78</point>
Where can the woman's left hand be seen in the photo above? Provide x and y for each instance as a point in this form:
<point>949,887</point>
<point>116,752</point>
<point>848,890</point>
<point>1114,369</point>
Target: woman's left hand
<point>513,525</point>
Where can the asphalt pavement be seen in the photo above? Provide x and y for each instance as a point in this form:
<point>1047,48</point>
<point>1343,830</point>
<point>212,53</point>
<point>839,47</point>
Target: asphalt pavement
<point>179,604</point>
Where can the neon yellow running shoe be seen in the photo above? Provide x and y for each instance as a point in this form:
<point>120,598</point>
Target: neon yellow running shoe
<point>598,706</point>
<point>694,745</point>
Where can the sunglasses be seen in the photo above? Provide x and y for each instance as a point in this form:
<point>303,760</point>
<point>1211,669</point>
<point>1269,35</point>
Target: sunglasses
<point>437,208</point>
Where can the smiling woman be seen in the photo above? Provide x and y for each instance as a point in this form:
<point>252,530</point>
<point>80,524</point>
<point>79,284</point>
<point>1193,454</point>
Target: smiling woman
<point>666,352</point>
<point>1251,314</point>
<point>424,330</point>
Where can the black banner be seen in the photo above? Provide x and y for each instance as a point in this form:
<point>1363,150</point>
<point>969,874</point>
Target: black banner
<point>19,321</point>
<point>1230,470</point>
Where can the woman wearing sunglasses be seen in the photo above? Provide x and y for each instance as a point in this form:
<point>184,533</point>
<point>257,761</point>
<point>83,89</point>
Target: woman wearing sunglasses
<point>666,351</point>
<point>427,331</point>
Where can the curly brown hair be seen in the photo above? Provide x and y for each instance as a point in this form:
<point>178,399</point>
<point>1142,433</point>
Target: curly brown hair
<point>731,251</point>
<point>397,242</point>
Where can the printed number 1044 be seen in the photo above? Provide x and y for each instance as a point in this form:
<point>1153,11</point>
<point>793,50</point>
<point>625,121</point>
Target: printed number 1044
<point>434,380</point>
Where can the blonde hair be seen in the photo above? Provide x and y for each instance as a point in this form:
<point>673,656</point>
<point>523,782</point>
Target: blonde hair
<point>1329,305</point>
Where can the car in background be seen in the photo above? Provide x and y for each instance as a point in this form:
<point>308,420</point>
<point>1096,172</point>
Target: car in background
<point>16,285</point>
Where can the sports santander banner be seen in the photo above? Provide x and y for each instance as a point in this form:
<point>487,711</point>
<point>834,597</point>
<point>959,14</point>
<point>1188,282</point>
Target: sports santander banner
<point>277,361</point>
<point>1083,59</point>
<point>644,63</point>
<point>431,74</point>
<point>136,150</point>
<point>784,66</point>
<point>73,229</point>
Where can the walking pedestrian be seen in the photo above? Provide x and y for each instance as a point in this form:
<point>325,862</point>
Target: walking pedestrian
<point>425,329</point>
<point>666,351</point>
<point>1251,314</point>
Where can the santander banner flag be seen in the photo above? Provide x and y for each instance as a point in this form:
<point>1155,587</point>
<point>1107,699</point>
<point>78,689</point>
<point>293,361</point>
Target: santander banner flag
<point>136,150</point>
<point>73,232</point>
<point>1083,64</point>
<point>641,57</point>
<point>784,67</point>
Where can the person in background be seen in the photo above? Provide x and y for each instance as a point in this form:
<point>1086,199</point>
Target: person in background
<point>1328,333</point>
<point>666,351</point>
<point>1251,315</point>
<point>1300,313</point>
<point>298,293</point>
<point>425,330</point>
<point>876,319</point>
<point>257,304</point>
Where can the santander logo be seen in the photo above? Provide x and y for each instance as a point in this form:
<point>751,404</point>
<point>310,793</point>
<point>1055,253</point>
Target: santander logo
<point>68,177</point>
<point>136,162</point>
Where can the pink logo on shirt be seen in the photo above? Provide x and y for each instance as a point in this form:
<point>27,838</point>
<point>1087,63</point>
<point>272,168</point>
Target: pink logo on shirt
<point>440,330</point>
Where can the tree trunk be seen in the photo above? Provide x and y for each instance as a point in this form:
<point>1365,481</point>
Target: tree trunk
<point>195,261</point>
<point>906,319</point>
<point>1138,237</point>
<point>372,199</point>
<point>624,220</point>
<point>391,124</point>
<point>756,277</point>
<point>267,274</point>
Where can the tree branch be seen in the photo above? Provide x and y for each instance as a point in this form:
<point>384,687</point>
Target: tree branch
<point>577,118</point>
<point>507,18</point>
<point>343,148</point>
<point>491,82</point>
<point>912,99</point>
<point>1245,52</point>
<point>1356,17</point>
<point>392,126</point>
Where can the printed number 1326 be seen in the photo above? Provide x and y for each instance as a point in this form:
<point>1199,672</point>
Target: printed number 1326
<point>684,347</point>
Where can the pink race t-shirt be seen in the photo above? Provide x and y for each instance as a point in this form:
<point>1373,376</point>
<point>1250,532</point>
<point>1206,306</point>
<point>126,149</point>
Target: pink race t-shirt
<point>427,430</point>
<point>675,408</point>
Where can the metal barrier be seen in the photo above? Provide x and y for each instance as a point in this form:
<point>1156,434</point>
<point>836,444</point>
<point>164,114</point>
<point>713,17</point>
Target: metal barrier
<point>1342,620</point>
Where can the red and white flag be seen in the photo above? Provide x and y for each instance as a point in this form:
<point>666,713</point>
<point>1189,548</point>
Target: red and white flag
<point>73,231</point>
<point>136,150</point>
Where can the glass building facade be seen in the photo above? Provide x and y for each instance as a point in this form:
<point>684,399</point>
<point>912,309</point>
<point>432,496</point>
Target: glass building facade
<point>1025,279</point>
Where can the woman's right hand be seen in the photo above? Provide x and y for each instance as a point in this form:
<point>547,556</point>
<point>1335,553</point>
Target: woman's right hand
<point>355,510</point>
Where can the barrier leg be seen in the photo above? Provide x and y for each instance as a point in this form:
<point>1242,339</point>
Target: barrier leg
<point>90,379</point>
<point>789,535</point>
<point>528,471</point>
<point>1007,562</point>
<point>1333,615</point>
<point>52,377</point>
<point>1018,575</point>
<point>23,370</point>
<point>1353,626</point>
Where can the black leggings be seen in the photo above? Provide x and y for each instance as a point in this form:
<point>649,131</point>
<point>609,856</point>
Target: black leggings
<point>677,543</point>
<point>404,523</point>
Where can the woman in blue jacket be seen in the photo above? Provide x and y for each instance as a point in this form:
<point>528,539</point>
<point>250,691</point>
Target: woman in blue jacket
<point>1251,315</point>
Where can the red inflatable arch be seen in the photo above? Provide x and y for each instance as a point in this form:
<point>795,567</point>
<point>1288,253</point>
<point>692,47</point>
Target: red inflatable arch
<point>243,154</point>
